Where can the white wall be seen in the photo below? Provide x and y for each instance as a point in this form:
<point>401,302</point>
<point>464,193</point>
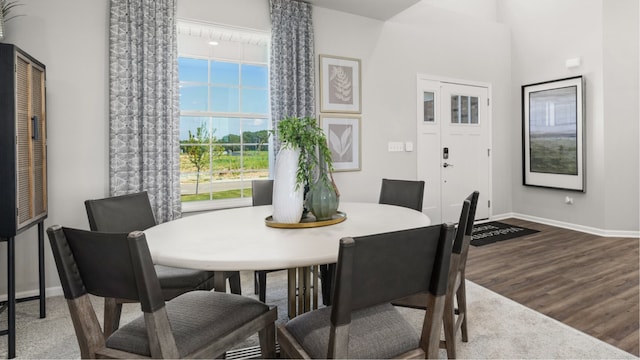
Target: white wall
<point>75,51</point>
<point>544,34</point>
<point>253,14</point>
<point>393,53</point>
<point>621,69</point>
<point>484,9</point>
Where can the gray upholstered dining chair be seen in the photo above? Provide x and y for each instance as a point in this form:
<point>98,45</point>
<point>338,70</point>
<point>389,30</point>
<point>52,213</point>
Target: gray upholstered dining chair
<point>262,194</point>
<point>456,288</point>
<point>133,212</point>
<point>361,323</point>
<point>119,265</point>
<point>407,193</point>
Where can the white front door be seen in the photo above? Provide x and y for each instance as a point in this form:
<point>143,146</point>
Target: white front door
<point>453,147</point>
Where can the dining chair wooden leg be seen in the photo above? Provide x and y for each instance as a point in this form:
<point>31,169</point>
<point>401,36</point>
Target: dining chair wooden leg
<point>219,282</point>
<point>112,312</point>
<point>267,337</point>
<point>234,284</point>
<point>262,286</point>
<point>462,309</point>
<point>429,340</point>
<point>449,324</point>
<point>256,284</point>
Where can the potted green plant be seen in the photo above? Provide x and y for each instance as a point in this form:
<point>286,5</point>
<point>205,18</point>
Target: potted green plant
<point>305,134</point>
<point>313,167</point>
<point>6,7</point>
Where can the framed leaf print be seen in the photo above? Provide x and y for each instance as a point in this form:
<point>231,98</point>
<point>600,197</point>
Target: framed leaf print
<point>340,84</point>
<point>343,136</point>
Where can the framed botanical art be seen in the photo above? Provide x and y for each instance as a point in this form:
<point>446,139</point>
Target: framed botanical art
<point>343,136</point>
<point>340,84</point>
<point>553,134</point>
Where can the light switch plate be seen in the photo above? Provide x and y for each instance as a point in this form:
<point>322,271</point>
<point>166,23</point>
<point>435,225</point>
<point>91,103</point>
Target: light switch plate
<point>408,146</point>
<point>396,146</point>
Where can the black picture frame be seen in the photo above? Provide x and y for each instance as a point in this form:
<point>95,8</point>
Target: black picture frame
<point>553,134</point>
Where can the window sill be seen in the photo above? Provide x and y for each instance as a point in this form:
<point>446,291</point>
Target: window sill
<point>201,206</point>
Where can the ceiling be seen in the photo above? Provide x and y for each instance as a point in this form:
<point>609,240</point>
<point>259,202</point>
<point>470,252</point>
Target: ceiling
<point>375,9</point>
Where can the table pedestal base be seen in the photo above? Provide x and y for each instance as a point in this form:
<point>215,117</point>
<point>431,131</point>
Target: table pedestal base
<point>303,284</point>
<point>307,293</point>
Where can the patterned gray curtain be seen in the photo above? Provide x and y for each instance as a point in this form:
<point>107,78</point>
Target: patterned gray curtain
<point>144,129</point>
<point>292,61</point>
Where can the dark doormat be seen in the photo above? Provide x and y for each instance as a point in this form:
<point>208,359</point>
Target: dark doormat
<point>493,231</point>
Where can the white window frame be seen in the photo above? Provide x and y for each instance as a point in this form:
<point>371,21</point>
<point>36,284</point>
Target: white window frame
<point>205,205</point>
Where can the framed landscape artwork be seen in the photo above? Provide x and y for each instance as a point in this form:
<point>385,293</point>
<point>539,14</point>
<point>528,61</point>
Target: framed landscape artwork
<point>343,136</point>
<point>339,84</point>
<point>553,134</point>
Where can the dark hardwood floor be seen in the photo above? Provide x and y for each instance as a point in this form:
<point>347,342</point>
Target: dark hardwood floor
<point>588,282</point>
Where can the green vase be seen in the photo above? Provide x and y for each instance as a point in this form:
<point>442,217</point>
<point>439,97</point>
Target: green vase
<point>323,200</point>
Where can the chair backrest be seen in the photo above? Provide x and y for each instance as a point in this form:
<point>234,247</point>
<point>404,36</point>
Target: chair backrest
<point>465,229</point>
<point>406,193</point>
<point>262,192</point>
<point>116,265</point>
<point>121,214</point>
<point>110,265</point>
<point>380,268</point>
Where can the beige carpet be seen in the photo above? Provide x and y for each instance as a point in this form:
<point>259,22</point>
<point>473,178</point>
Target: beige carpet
<point>498,328</point>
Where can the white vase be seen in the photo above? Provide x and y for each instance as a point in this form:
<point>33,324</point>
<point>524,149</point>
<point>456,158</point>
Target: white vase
<point>1,27</point>
<point>287,200</point>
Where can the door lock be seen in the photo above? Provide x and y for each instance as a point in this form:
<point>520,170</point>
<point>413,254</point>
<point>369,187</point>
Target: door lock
<point>446,165</point>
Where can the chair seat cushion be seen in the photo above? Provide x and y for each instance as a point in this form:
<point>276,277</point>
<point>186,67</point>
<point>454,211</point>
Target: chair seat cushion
<point>197,318</point>
<point>378,332</point>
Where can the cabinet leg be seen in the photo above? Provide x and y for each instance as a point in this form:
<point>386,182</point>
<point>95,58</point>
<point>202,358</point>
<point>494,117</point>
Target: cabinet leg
<point>43,298</point>
<point>11,298</point>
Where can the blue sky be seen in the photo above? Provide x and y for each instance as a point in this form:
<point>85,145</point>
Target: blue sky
<point>207,85</point>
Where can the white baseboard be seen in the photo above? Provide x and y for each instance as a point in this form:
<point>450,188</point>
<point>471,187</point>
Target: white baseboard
<point>570,226</point>
<point>49,292</point>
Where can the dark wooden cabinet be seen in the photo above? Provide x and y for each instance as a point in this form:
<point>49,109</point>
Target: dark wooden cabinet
<point>23,165</point>
<point>23,144</point>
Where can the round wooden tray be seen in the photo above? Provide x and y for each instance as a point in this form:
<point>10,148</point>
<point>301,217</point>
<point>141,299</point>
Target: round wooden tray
<point>308,222</point>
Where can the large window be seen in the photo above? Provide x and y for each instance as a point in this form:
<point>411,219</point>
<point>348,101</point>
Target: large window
<point>224,113</point>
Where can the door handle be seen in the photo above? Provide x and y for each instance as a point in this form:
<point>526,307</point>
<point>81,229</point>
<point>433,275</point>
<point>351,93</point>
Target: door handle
<point>446,165</point>
<point>35,133</point>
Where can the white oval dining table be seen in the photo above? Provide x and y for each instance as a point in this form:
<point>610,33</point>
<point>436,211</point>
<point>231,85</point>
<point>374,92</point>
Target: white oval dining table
<point>239,239</point>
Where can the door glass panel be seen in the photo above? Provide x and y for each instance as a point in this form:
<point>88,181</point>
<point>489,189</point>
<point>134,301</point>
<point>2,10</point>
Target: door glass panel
<point>429,109</point>
<point>474,110</point>
<point>464,109</point>
<point>455,105</point>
